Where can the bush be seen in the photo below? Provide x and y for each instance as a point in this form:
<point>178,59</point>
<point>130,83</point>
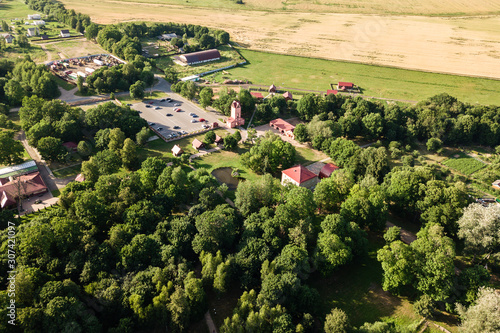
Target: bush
<point>424,306</point>
<point>434,144</point>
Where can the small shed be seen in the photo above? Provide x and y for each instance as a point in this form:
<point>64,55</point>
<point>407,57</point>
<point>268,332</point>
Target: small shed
<point>327,170</point>
<point>345,86</point>
<point>272,88</point>
<point>218,139</point>
<point>177,151</point>
<point>64,33</point>
<point>197,144</point>
<point>257,95</point>
<point>44,37</point>
<point>32,31</point>
<point>288,96</point>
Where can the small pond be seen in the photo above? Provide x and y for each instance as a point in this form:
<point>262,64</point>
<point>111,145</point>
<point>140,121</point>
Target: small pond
<point>223,175</point>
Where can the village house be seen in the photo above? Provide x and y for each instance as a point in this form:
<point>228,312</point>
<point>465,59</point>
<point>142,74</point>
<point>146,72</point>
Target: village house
<point>288,96</point>
<point>257,95</point>
<point>299,176</point>
<point>177,151</point>
<point>70,146</point>
<point>218,139</point>
<point>21,186</point>
<point>345,86</point>
<point>496,184</point>
<point>8,38</point>
<point>197,144</point>
<point>272,88</point>
<point>235,120</point>
<point>167,36</point>
<point>34,17</point>
<point>32,31</point>
<point>64,33</point>
<point>39,23</point>
<point>329,92</point>
<point>283,127</point>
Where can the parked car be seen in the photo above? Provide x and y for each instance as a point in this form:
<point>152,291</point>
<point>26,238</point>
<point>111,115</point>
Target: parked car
<point>194,116</point>
<point>177,104</point>
<point>202,120</point>
<point>193,120</point>
<point>128,104</point>
<point>168,99</point>
<point>151,124</point>
<point>176,127</point>
<point>37,201</point>
<point>173,135</point>
<point>169,115</point>
<point>177,110</point>
<point>157,108</point>
<point>184,132</point>
<point>162,100</point>
<point>148,106</point>
<point>150,102</point>
<point>159,129</point>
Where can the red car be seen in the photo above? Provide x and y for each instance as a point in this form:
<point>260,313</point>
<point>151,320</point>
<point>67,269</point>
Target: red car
<point>202,120</point>
<point>177,110</point>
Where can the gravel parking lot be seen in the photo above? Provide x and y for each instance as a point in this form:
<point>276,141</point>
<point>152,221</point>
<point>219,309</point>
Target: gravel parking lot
<point>157,114</point>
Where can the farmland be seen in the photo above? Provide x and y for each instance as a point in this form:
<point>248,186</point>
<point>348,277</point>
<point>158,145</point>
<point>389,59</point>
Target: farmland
<point>317,74</point>
<point>464,163</point>
<point>466,45</point>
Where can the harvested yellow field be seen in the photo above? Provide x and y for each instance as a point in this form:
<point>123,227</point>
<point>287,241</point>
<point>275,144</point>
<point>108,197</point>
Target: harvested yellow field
<point>466,45</point>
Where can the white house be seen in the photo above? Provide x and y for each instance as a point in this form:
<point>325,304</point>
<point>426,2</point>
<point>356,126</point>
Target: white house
<point>34,17</point>
<point>65,33</point>
<point>32,31</point>
<point>8,38</point>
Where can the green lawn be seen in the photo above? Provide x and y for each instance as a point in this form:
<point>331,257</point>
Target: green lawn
<point>11,9</point>
<point>317,74</point>
<point>463,163</point>
<point>67,171</point>
<point>306,156</point>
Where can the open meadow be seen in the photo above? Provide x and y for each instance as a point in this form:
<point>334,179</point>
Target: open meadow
<point>466,45</point>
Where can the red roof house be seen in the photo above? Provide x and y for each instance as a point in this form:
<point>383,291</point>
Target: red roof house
<point>197,144</point>
<point>288,96</point>
<point>70,146</point>
<point>327,169</point>
<point>283,127</point>
<point>329,92</point>
<point>345,85</point>
<point>299,176</point>
<point>24,186</point>
<point>257,95</point>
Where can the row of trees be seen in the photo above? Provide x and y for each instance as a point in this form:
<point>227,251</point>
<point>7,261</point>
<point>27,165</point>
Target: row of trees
<point>56,11</point>
<point>442,117</point>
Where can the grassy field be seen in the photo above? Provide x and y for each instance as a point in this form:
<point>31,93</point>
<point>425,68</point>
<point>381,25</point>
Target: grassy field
<point>11,9</point>
<point>228,57</point>
<point>317,74</point>
<point>63,84</point>
<point>463,163</point>
<point>67,171</point>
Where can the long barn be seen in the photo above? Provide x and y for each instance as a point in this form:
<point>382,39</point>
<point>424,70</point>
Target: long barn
<point>199,57</point>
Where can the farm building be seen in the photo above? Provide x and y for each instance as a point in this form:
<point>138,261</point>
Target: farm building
<point>199,57</point>
<point>177,151</point>
<point>64,33</point>
<point>272,88</point>
<point>496,184</point>
<point>18,169</point>
<point>329,92</point>
<point>288,96</point>
<point>32,31</point>
<point>8,38</point>
<point>235,120</point>
<point>327,170</point>
<point>257,95</point>
<point>39,23</point>
<point>23,186</point>
<point>345,86</point>
<point>34,17</point>
<point>283,127</point>
<point>299,176</point>
<point>197,144</point>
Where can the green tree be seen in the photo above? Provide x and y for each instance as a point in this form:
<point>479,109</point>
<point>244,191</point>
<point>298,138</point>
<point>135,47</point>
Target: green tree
<point>11,151</point>
<point>143,136</point>
<point>129,153</point>
<point>116,139</point>
<point>300,133</point>
<point>79,84</point>
<point>206,95</point>
<point>337,322</point>
<point>483,316</point>
<point>52,149</point>
<point>434,144</point>
<point>84,148</point>
<point>216,230</point>
<point>137,90</point>
<point>209,137</point>
<point>424,306</point>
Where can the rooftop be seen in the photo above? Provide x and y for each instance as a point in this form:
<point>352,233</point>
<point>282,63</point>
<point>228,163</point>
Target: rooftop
<point>299,174</point>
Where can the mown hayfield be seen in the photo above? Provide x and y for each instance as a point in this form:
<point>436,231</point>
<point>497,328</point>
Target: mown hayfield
<point>317,74</point>
<point>463,163</point>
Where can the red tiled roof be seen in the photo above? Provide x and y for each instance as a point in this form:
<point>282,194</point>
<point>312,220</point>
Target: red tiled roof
<point>235,104</point>
<point>345,84</point>
<point>32,183</point>
<point>217,138</point>
<point>327,170</point>
<point>281,124</point>
<point>256,94</point>
<point>329,91</point>
<point>299,174</point>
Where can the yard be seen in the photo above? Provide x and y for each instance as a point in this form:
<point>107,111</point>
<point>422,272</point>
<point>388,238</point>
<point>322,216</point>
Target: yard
<point>463,163</point>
